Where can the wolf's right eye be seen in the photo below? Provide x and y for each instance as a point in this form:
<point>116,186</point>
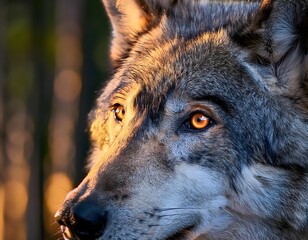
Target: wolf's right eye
<point>119,113</point>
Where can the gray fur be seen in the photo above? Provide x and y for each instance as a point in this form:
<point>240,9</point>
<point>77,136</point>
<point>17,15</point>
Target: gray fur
<point>243,64</point>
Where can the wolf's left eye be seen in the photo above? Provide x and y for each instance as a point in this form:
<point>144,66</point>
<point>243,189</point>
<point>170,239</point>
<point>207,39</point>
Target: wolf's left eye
<point>199,121</point>
<point>119,113</point>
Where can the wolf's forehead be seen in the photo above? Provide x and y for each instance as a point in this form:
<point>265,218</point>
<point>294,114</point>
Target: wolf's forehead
<point>205,62</point>
<point>153,61</point>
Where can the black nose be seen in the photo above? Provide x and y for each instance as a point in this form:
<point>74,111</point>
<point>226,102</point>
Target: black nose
<point>85,221</point>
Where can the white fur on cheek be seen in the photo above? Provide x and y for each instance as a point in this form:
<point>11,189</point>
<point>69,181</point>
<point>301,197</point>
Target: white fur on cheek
<point>194,193</point>
<point>257,198</point>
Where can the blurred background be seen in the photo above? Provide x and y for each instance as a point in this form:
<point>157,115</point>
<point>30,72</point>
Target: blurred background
<point>53,61</point>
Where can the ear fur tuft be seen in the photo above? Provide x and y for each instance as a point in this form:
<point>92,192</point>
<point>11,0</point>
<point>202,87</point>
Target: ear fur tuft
<point>131,18</point>
<point>279,43</point>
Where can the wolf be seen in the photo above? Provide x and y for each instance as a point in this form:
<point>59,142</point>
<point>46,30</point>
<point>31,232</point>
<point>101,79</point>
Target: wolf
<point>202,131</point>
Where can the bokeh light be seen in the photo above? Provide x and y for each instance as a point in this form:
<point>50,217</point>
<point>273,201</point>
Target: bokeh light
<point>67,85</point>
<point>57,186</point>
<point>53,59</point>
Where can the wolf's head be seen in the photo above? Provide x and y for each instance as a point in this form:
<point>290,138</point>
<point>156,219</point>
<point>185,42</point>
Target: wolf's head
<point>202,131</point>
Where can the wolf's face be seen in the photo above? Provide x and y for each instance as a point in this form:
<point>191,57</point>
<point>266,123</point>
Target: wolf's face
<point>202,131</point>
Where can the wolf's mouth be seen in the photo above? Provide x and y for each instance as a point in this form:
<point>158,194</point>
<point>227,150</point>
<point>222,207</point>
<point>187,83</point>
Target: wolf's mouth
<point>182,234</point>
<point>69,234</point>
<point>66,233</point>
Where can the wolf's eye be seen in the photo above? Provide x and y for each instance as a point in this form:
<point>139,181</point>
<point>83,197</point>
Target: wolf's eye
<point>199,121</point>
<point>119,112</point>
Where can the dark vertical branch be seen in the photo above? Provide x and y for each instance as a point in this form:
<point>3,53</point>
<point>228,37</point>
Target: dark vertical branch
<point>34,211</point>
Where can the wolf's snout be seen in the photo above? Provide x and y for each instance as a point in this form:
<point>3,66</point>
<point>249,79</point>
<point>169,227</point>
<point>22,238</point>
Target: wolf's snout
<point>85,221</point>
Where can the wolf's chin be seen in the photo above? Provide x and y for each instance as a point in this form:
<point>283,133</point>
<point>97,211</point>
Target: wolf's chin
<point>67,234</point>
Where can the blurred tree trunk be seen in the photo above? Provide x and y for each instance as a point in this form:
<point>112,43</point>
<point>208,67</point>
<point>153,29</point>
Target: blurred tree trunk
<point>2,79</point>
<point>36,109</point>
<point>67,86</point>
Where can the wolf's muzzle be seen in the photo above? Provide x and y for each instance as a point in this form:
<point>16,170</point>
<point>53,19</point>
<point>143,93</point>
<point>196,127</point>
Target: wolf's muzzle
<point>84,221</point>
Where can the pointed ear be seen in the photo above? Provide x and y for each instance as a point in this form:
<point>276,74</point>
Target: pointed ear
<point>278,40</point>
<point>131,18</point>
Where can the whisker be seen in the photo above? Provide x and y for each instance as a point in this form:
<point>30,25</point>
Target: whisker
<point>54,234</point>
<point>176,208</point>
<point>53,224</point>
<point>57,233</point>
<point>175,214</point>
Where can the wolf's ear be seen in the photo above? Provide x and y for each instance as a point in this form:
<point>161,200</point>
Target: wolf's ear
<point>129,19</point>
<point>278,39</point>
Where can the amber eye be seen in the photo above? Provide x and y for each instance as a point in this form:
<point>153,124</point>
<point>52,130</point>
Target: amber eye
<point>119,113</point>
<point>199,121</point>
